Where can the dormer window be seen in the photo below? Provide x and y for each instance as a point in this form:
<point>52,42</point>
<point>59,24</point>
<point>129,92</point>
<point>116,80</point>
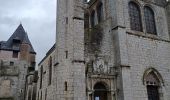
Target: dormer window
<point>16,40</point>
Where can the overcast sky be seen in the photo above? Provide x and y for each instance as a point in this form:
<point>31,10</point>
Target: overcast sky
<point>37,18</point>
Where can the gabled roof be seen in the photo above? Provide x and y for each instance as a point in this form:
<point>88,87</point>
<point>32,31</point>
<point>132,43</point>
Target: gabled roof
<point>19,36</point>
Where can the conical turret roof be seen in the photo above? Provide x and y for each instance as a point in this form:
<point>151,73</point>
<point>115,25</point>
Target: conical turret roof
<point>20,37</point>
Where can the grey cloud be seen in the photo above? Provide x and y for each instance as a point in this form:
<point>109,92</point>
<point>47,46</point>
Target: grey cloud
<point>37,17</point>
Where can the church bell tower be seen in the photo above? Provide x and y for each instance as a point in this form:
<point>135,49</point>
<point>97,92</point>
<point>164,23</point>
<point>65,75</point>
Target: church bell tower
<point>70,70</point>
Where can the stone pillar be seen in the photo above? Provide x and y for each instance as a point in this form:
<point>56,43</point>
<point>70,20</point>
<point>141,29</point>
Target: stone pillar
<point>123,80</point>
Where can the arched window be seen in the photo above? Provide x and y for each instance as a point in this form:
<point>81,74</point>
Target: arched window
<point>100,12</point>
<point>50,70</point>
<point>149,20</point>
<point>153,80</point>
<point>92,18</point>
<point>135,17</point>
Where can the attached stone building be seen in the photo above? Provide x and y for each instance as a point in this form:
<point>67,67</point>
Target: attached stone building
<point>17,59</point>
<point>45,84</point>
<point>109,50</point>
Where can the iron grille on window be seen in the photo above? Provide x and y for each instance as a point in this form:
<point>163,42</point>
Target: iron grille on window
<point>152,92</point>
<point>135,17</point>
<point>149,20</point>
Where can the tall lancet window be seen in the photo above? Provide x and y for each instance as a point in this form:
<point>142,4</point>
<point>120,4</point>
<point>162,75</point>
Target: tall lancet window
<point>149,20</point>
<point>92,18</point>
<point>50,71</point>
<point>135,17</point>
<point>100,12</point>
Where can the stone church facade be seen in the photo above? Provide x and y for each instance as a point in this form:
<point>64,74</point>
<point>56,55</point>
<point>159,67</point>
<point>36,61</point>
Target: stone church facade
<point>108,50</point>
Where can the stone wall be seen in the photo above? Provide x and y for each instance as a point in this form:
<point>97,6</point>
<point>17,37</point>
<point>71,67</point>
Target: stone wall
<point>46,91</point>
<point>145,53</point>
<point>13,79</point>
<point>139,51</point>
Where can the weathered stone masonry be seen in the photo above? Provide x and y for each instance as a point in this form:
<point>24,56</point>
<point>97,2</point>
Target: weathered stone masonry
<point>100,54</point>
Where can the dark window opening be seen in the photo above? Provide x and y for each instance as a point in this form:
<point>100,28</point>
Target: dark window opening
<point>50,71</point>
<point>153,93</point>
<point>46,94</point>
<point>100,12</point>
<point>92,18</point>
<point>15,54</point>
<point>135,17</point>
<point>41,76</point>
<point>149,20</point>
<point>66,54</point>
<point>11,63</point>
<point>65,86</point>
<point>33,64</point>
<point>66,20</point>
<point>152,83</point>
<point>86,20</point>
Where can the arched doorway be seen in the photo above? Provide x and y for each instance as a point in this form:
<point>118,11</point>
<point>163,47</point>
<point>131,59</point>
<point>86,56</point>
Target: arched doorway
<point>100,92</point>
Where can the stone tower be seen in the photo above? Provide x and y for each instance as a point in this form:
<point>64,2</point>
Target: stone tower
<point>70,50</point>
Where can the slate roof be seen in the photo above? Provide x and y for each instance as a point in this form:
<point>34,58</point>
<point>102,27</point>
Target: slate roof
<point>19,36</point>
